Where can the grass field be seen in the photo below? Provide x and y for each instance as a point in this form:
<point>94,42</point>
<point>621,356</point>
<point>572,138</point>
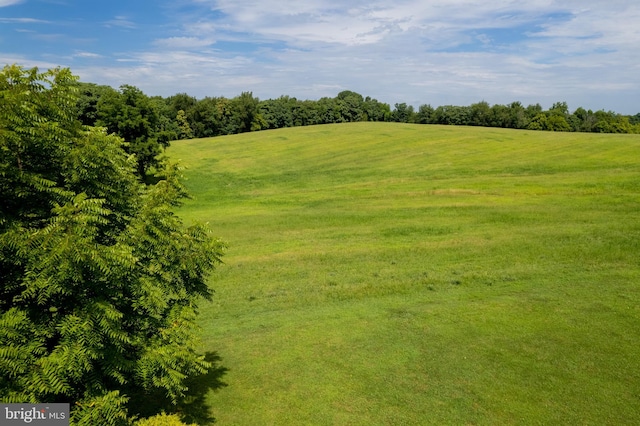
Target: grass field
<point>390,274</point>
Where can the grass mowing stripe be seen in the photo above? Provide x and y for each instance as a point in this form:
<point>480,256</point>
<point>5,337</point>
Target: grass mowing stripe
<point>382,273</point>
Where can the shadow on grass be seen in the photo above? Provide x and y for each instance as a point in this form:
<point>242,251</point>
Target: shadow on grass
<point>193,408</point>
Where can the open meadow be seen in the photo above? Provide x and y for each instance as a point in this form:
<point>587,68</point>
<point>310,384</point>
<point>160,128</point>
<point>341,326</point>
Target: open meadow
<point>399,274</point>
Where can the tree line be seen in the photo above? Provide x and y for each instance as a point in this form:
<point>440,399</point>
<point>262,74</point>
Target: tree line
<point>149,123</point>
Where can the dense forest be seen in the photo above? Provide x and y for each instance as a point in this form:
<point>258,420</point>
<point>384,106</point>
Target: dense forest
<point>149,123</point>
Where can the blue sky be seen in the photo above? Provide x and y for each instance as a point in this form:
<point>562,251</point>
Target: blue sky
<point>436,52</point>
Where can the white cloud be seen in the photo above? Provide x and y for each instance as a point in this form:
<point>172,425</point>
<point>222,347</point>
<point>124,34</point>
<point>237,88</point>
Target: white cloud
<point>4,3</point>
<point>26,62</point>
<point>299,23</point>
<point>89,55</point>
<point>437,24</point>
<point>120,21</point>
<point>359,22</point>
<point>170,72</point>
<point>184,42</point>
<point>22,21</point>
<point>415,51</point>
<point>580,51</point>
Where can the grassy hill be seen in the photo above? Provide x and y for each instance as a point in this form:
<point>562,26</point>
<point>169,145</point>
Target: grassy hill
<point>397,274</point>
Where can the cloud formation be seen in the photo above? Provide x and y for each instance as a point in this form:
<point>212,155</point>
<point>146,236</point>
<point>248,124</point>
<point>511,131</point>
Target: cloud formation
<point>21,21</point>
<point>437,52</point>
<point>120,21</point>
<point>4,3</point>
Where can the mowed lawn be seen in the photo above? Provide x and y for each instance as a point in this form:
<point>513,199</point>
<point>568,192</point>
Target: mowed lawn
<point>394,274</point>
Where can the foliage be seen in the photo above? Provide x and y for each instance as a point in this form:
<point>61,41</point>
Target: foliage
<point>183,124</point>
<point>100,280</point>
<point>162,419</point>
<point>87,104</point>
<point>215,116</point>
<point>351,105</point>
<point>205,118</point>
<point>244,114</point>
<point>424,114</point>
<point>133,116</point>
<point>402,113</point>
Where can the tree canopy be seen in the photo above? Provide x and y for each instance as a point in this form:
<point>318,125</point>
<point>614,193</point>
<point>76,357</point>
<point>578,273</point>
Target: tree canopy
<point>149,124</point>
<point>100,279</point>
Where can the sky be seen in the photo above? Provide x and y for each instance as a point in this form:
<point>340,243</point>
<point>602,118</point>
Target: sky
<point>436,52</point>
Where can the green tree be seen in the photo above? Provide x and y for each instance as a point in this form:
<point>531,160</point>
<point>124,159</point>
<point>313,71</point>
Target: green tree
<point>480,114</point>
<point>532,111</point>
<point>375,110</point>
<point>424,114</point>
<point>181,101</point>
<point>557,123</point>
<point>583,120</point>
<point>100,280</point>
<point>539,122</point>
<point>500,116</point>
<point>557,118</point>
<point>328,111</point>
<point>351,105</point>
<point>205,118</point>
<point>133,116</point>
<point>183,125</point>
<point>88,98</point>
<point>242,115</point>
<point>403,113</point>
<point>452,114</point>
<point>167,129</point>
<point>610,122</point>
<point>278,113</point>
<point>305,113</point>
<point>518,115</point>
